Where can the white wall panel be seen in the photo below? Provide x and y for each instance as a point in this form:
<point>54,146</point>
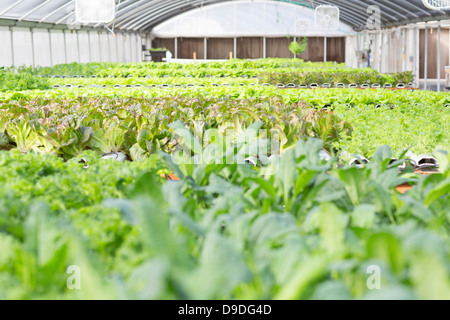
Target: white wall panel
<point>104,47</point>
<point>133,46</point>
<point>112,48</point>
<point>6,59</point>
<point>350,52</point>
<point>139,48</point>
<point>395,55</point>
<point>94,41</point>
<point>43,47</point>
<point>58,48</point>
<point>83,42</point>
<point>120,47</point>
<point>71,46</point>
<point>376,54</point>
<point>410,51</point>
<point>41,42</point>
<point>127,47</point>
<point>386,52</point>
<point>23,49</point>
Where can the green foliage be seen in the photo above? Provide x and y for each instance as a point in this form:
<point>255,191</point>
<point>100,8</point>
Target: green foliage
<point>291,226</point>
<point>234,67</point>
<point>334,76</point>
<point>223,232</point>
<point>299,46</point>
<point>69,69</point>
<point>419,127</point>
<point>140,127</point>
<point>12,81</point>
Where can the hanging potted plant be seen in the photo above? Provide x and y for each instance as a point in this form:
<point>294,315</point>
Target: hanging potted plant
<point>157,54</point>
<point>299,46</point>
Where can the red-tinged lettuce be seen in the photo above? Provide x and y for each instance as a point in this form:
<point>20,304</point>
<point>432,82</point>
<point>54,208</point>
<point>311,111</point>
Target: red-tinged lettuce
<point>69,142</point>
<point>112,137</point>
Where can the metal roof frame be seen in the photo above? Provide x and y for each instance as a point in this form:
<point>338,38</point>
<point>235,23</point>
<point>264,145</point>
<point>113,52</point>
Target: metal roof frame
<point>144,15</point>
<point>155,15</point>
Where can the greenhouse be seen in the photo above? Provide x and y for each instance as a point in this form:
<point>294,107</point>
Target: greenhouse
<point>224,150</point>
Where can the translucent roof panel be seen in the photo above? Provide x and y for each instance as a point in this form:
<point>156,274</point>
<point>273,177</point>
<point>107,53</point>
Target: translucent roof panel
<point>246,19</point>
<point>52,11</point>
<point>22,7</point>
<point>144,15</point>
<point>49,11</point>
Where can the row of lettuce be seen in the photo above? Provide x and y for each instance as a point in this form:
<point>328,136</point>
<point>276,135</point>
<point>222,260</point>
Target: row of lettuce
<point>139,127</point>
<point>125,69</point>
<point>257,213</point>
<point>286,80</point>
<point>417,120</point>
<point>100,229</point>
<point>263,72</point>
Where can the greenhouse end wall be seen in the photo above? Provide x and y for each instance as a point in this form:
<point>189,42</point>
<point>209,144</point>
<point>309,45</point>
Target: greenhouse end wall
<point>253,48</point>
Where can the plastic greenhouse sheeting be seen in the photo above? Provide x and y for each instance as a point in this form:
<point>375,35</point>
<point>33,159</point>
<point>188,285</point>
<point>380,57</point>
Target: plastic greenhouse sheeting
<point>144,15</point>
<point>240,19</point>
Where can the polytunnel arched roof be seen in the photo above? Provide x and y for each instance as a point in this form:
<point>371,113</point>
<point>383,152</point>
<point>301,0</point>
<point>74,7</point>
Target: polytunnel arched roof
<point>143,15</point>
<point>251,18</point>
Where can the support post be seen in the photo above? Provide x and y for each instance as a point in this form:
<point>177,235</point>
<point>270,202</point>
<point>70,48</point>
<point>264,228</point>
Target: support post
<point>77,35</point>
<point>50,45</point>
<point>109,48</point>
<point>117,47</point>
<point>175,54</point>
<point>426,59</point>
<point>416,56</point>
<point>32,47</point>
<point>65,47</point>
<point>439,59</point>
<point>100,50</point>
<point>404,51</point>
<point>295,54</point>
<point>264,47</point>
<point>389,36</point>
<point>89,46</point>
<point>358,47</point>
<point>12,45</point>
<point>396,52</point>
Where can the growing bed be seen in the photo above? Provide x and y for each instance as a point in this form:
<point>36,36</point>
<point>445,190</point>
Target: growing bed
<point>251,211</point>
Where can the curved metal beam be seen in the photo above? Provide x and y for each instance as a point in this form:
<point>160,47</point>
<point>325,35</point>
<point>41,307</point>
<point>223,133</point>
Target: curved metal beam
<point>34,9</point>
<point>57,10</point>
<point>145,14</point>
<point>421,7</point>
<point>362,11</point>
<point>121,11</point>
<point>11,7</point>
<point>138,23</point>
<point>157,18</point>
<point>136,11</point>
<point>397,7</point>
<point>155,8</point>
<point>135,20</point>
